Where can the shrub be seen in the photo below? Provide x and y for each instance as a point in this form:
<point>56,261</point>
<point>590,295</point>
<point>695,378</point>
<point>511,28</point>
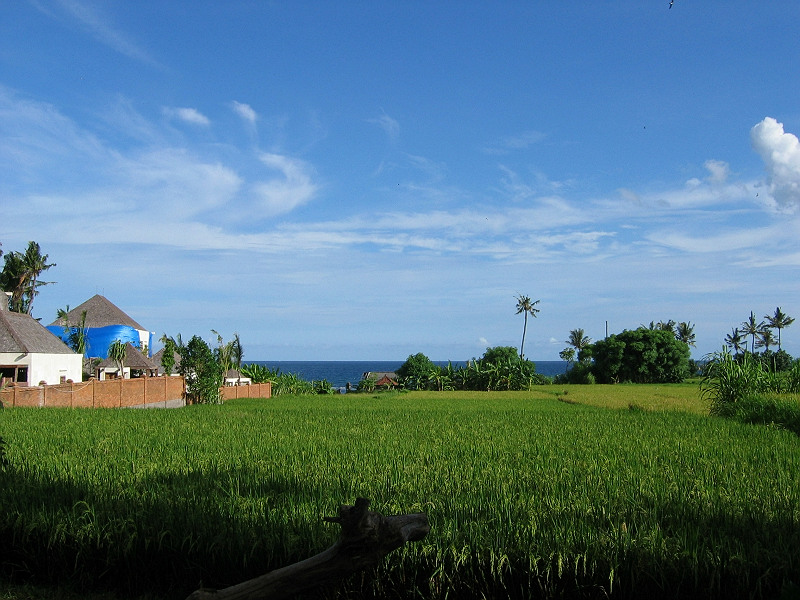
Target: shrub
<point>641,356</point>
<point>416,371</point>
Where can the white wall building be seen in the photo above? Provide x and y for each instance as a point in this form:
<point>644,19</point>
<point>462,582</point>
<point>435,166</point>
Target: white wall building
<point>30,354</point>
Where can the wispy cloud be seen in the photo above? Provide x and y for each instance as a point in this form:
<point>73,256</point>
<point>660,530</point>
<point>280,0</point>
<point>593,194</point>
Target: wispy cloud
<point>245,111</point>
<point>389,126</point>
<point>187,115</point>
<point>282,195</point>
<point>100,26</point>
<point>516,142</point>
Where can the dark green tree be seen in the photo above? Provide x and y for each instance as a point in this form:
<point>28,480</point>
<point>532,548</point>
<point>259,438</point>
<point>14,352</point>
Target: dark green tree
<point>416,371</point>
<point>204,375</point>
<point>641,356</point>
<point>21,276</point>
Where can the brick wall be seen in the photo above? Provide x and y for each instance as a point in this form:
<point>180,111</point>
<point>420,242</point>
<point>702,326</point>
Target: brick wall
<point>255,390</point>
<point>113,393</point>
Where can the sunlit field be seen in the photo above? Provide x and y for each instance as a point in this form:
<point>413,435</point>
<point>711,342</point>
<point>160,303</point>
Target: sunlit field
<point>569,491</point>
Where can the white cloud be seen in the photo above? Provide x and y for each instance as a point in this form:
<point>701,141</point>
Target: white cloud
<point>780,152</point>
<point>389,125</point>
<point>245,111</point>
<point>188,115</point>
<point>718,170</point>
<point>279,196</point>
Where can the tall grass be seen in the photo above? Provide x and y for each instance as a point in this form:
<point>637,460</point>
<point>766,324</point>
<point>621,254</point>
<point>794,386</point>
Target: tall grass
<point>744,389</point>
<point>525,497</point>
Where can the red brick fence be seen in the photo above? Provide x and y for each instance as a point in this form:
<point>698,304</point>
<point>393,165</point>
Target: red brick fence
<point>119,393</point>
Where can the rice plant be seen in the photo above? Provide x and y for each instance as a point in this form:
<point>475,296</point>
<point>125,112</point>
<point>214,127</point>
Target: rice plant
<point>527,496</point>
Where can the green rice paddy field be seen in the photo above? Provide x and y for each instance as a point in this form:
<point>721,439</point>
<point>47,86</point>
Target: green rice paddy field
<point>567,491</point>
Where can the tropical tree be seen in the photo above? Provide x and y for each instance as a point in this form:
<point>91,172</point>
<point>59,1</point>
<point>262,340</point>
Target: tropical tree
<point>684,332</point>
<point>579,340</point>
<point>415,372</point>
<point>77,336</point>
<point>778,321</point>
<point>752,328</point>
<point>117,352</point>
<point>20,276</point>
<point>526,307</point>
<point>567,355</point>
<point>203,373</point>
<point>765,339</point>
<point>734,340</point>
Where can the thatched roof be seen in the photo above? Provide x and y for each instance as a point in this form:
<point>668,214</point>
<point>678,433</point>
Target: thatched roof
<point>133,360</point>
<point>100,312</point>
<point>22,333</point>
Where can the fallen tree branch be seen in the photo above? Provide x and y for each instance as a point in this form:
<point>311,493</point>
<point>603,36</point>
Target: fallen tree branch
<point>365,539</point>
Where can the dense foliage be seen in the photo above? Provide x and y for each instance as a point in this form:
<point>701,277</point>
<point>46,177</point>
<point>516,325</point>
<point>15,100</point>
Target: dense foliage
<point>527,498</point>
<point>500,368</point>
<point>640,356</point>
<point>204,374</point>
<point>745,388</point>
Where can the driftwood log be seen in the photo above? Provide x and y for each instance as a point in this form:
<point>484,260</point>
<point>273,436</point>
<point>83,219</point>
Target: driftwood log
<point>365,539</point>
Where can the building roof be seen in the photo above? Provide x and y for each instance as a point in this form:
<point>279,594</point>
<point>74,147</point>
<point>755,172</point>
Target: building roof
<point>100,312</point>
<point>157,361</point>
<point>133,360</point>
<point>22,333</point>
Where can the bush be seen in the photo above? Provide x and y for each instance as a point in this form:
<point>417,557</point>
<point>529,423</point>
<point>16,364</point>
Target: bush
<point>641,356</point>
<point>416,371</point>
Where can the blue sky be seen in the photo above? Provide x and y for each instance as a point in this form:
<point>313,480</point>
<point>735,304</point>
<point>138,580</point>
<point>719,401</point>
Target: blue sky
<point>368,180</point>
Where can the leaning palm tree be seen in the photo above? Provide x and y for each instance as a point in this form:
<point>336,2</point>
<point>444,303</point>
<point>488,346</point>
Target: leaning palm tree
<point>684,332</point>
<point>526,307</point>
<point>734,340</point>
<point>779,321</point>
<point>751,328</point>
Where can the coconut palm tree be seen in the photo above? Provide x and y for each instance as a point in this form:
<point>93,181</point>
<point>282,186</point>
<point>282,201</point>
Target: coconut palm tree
<point>751,328</point>
<point>779,321</point>
<point>526,307</point>
<point>734,340</point>
<point>684,332</point>
<point>21,274</point>
<point>765,339</point>
<point>579,340</point>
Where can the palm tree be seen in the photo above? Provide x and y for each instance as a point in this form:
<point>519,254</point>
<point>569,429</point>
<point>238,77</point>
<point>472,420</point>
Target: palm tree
<point>765,339</point>
<point>734,340</point>
<point>526,307</point>
<point>778,321</point>
<point>684,332</point>
<point>117,352</point>
<point>579,340</point>
<point>21,274</point>
<point>751,328</point>
<point>77,335</point>
<point>35,264</point>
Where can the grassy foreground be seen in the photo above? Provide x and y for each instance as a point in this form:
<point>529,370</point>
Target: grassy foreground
<point>541,494</point>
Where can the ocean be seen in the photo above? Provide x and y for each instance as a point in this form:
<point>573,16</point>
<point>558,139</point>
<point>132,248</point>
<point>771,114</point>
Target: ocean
<point>342,372</point>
